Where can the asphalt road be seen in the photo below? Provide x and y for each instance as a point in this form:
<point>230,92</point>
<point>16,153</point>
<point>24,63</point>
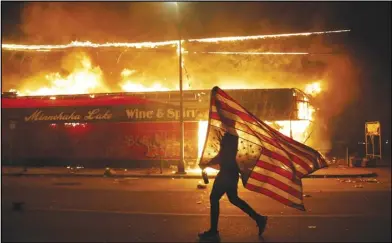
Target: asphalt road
<point>174,210</point>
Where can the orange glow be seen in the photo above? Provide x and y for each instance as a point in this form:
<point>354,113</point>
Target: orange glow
<point>201,135</point>
<point>85,44</point>
<point>313,88</point>
<point>83,80</point>
<point>210,171</point>
<point>88,44</point>
<point>128,85</point>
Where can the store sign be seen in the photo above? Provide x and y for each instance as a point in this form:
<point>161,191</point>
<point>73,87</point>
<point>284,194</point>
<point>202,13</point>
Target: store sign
<point>372,128</point>
<point>94,114</point>
<point>128,113</point>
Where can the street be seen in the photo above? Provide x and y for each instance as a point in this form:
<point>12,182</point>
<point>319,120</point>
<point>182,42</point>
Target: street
<point>175,210</point>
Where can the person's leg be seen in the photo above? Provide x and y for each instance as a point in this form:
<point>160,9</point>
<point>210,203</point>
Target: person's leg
<point>232,194</point>
<point>216,194</point>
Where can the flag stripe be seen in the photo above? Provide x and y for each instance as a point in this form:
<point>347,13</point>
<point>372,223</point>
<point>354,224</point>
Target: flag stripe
<point>272,179</point>
<point>269,165</point>
<point>273,195</point>
<point>251,125</point>
<point>298,157</point>
<point>243,126</point>
<point>281,155</point>
<point>240,113</point>
<point>282,159</point>
<point>222,100</point>
<point>274,192</point>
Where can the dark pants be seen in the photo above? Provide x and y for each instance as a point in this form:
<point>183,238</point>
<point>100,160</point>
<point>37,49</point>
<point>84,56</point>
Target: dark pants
<point>227,183</point>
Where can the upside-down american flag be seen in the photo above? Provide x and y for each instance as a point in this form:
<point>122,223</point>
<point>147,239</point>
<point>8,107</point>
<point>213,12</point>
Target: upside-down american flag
<point>269,162</point>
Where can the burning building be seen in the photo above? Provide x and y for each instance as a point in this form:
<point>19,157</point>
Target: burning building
<point>138,129</point>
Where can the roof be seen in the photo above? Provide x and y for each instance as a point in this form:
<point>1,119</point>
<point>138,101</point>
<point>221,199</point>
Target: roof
<point>109,100</point>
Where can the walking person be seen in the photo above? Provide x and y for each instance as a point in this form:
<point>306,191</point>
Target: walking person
<point>226,181</point>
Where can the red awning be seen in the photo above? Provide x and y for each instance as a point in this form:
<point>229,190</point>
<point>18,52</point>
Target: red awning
<point>110,100</point>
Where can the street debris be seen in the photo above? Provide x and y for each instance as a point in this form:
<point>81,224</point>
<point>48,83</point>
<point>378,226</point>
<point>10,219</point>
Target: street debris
<point>200,185</point>
<point>312,226</point>
<point>370,180</point>
<point>108,172</point>
<point>198,202</point>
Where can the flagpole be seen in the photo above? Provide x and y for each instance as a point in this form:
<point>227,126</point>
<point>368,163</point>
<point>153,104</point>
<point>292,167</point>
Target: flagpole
<point>181,163</point>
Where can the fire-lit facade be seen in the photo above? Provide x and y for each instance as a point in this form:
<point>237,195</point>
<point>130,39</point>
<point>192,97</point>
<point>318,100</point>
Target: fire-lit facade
<point>107,133</point>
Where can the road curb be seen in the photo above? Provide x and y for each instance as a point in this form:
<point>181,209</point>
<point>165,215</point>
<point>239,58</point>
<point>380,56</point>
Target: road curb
<point>174,176</point>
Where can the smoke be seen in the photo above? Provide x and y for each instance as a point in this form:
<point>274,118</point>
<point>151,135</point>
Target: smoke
<point>63,22</point>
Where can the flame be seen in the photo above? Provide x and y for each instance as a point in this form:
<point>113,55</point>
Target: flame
<point>83,80</point>
<point>89,44</point>
<point>75,44</point>
<point>297,129</point>
<point>201,135</point>
<point>210,171</point>
<point>130,86</point>
<point>253,53</point>
<point>313,88</point>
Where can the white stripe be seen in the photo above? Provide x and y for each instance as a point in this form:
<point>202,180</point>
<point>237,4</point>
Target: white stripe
<point>256,127</point>
<point>303,158</point>
<point>275,162</point>
<point>274,189</point>
<point>278,177</point>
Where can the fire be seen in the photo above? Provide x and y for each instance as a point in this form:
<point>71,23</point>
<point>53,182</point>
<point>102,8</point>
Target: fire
<point>297,129</point>
<point>257,37</point>
<point>313,88</point>
<point>201,135</point>
<point>75,44</point>
<point>88,44</point>
<point>83,80</point>
<point>130,86</point>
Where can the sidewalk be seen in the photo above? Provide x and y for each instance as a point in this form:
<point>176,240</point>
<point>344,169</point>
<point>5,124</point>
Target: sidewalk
<point>328,172</point>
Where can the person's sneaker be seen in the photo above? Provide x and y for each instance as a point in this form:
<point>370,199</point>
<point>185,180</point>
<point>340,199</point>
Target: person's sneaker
<point>210,236</point>
<point>261,223</point>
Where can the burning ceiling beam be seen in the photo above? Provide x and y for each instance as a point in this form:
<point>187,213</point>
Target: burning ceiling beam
<point>89,44</point>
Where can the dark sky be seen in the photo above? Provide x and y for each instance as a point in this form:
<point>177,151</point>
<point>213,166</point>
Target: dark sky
<point>369,42</point>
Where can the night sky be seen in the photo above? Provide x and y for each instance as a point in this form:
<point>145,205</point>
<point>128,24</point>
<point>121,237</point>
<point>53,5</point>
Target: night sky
<point>369,42</point>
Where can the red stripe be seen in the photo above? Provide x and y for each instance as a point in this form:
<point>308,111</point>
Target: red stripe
<point>223,94</point>
<point>245,128</point>
<point>276,183</point>
<point>277,170</point>
<point>282,159</point>
<point>270,194</point>
<point>295,150</point>
<point>244,116</point>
